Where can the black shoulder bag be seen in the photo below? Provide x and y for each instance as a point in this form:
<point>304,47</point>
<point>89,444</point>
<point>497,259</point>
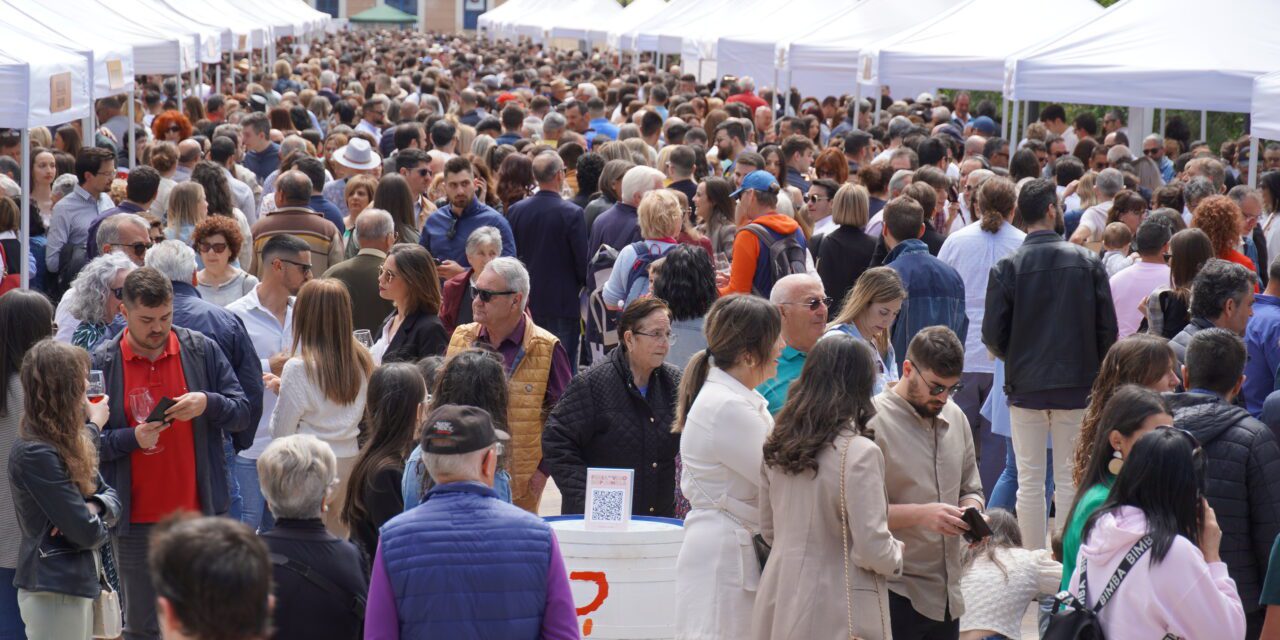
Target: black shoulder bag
<point>1073,618</point>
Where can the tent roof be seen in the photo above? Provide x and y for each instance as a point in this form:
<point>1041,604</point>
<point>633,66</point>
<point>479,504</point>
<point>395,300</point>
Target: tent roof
<point>154,52</point>
<point>112,72</point>
<point>748,43</point>
<point>208,40</point>
<point>823,60</point>
<point>1124,57</point>
<point>384,13</point>
<point>945,52</point>
<point>1265,123</point>
<point>244,33</point>
<point>583,19</point>
<point>29,73</point>
<point>633,15</point>
<point>487,19</point>
<point>665,31</point>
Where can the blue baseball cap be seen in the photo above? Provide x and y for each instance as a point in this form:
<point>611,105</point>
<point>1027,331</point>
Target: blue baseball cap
<point>759,180</point>
<point>984,125</point>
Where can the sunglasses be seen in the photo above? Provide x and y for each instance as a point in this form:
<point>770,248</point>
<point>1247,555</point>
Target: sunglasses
<point>487,296</point>
<point>812,199</point>
<point>306,268</point>
<point>216,247</point>
<point>936,389</point>
<point>814,303</point>
<point>386,274</point>
<point>424,172</point>
<point>139,248</point>
<point>118,292</point>
<point>1150,152</point>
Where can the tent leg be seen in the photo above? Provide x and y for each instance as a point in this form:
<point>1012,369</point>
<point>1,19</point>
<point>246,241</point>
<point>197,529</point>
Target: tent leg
<point>217,75</point>
<point>1253,160</point>
<point>857,101</point>
<point>133,133</point>
<point>875,103</point>
<point>1163,113</point>
<point>1204,126</point>
<point>1004,123</point>
<point>25,222</point>
<point>179,76</point>
<point>1013,126</point>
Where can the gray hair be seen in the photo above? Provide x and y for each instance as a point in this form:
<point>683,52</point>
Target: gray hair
<point>1242,192</point>
<point>901,178</point>
<point>109,229</point>
<point>638,181</point>
<point>546,166</point>
<point>64,184</point>
<point>484,237</point>
<point>1159,139</point>
<point>291,144</point>
<point>899,127</point>
<point>1109,182</point>
<point>374,223</point>
<point>482,144</point>
<point>1217,282</point>
<point>173,259</point>
<point>296,474</point>
<point>553,122</point>
<point>589,89</point>
<point>1197,189</point>
<point>92,285</point>
<point>328,78</point>
<point>454,467</point>
<point>431,103</point>
<point>628,131</point>
<point>785,286</point>
<point>512,272</point>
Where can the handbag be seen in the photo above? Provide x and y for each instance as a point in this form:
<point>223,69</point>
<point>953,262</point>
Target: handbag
<point>1073,618</point>
<point>844,537</point>
<point>107,621</point>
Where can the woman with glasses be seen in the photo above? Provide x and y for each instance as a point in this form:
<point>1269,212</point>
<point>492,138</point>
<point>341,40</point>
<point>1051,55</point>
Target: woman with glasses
<point>322,387</point>
<point>868,314</point>
<point>823,496</point>
<point>98,292</point>
<point>1157,520</point>
<point>217,193</point>
<point>413,331</point>
<point>618,414</point>
<point>359,195</point>
<point>171,126</point>
<point>373,493</point>
<point>218,241</point>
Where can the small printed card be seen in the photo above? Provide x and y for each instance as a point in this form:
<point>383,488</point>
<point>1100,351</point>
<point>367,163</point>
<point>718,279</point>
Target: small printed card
<point>608,499</point>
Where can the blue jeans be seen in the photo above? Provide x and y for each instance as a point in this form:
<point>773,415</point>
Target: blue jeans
<point>567,330</point>
<point>11,627</point>
<point>1004,494</point>
<point>415,471</point>
<point>233,487</point>
<point>253,510</point>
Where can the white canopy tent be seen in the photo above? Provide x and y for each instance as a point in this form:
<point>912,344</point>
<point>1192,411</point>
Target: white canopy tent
<point>822,61</point>
<point>631,16</point>
<point>316,21</point>
<point>282,24</point>
<point>665,32</point>
<point>507,25</point>
<point>43,86</point>
<point>1122,57</point>
<point>584,20</point>
<point>110,61</point>
<point>243,34</point>
<point>1264,118</point>
<point>749,43</point>
<point>950,50</point>
<point>155,14</point>
<point>487,20</point>
<point>154,52</point>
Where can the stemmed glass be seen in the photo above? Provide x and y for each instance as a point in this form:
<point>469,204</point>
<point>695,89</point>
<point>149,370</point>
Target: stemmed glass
<point>96,390</point>
<point>141,403</point>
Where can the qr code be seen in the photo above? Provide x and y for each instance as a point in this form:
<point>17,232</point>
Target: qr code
<point>606,505</point>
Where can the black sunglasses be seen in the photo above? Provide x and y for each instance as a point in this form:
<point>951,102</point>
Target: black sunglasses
<point>306,268</point>
<point>139,248</point>
<point>814,303</point>
<point>487,296</point>
<point>936,389</point>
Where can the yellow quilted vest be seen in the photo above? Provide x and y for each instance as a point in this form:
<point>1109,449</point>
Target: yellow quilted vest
<point>526,389</point>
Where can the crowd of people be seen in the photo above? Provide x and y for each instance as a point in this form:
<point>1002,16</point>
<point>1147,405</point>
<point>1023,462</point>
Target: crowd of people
<point>308,368</point>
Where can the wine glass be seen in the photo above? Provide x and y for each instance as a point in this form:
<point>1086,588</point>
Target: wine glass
<point>722,263</point>
<point>364,337</point>
<point>141,403</point>
<point>96,390</point>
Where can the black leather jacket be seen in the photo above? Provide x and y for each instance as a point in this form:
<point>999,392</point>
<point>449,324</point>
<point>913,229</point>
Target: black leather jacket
<point>45,498</point>
<point>1049,315</point>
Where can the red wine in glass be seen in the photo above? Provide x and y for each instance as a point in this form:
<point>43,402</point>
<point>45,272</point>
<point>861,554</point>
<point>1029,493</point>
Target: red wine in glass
<point>141,403</point>
<point>96,390</point>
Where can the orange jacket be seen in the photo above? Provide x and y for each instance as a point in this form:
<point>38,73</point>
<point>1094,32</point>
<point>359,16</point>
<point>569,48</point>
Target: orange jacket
<point>746,251</point>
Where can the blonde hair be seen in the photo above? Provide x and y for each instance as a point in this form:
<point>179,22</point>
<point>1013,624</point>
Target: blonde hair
<point>184,204</point>
<point>659,215</point>
<point>1117,237</point>
<point>323,336</point>
<point>851,205</point>
<point>878,285</point>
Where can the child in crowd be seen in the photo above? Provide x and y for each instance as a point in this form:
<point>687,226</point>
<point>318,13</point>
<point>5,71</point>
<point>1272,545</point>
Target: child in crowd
<point>1001,578</point>
<point>1116,239</point>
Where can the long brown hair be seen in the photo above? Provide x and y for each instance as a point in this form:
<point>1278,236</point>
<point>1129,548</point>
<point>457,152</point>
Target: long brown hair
<point>1189,249</point>
<point>833,394</point>
<point>395,392</point>
<point>323,338</point>
<point>995,203</point>
<point>1140,359</point>
<point>736,325</point>
<point>415,266</point>
<point>54,376</point>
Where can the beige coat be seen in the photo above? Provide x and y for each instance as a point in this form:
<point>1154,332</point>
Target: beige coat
<point>802,592</point>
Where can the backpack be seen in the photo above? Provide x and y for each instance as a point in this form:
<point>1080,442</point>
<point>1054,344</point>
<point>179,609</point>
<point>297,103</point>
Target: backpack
<point>1073,618</point>
<point>786,254</point>
<point>601,322</point>
<point>8,281</point>
<point>639,270</point>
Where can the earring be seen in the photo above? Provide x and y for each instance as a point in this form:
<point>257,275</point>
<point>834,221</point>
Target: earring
<point>1116,463</point>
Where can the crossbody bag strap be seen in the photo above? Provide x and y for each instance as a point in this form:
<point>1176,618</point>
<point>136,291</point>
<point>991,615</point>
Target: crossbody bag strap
<point>697,485</point>
<point>356,601</point>
<point>844,536</point>
<point>1131,558</point>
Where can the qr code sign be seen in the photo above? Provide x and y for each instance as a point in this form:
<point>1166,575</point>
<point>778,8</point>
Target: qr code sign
<point>607,505</point>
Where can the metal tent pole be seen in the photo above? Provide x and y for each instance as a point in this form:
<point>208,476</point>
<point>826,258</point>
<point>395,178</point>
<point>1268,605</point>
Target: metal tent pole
<point>1204,126</point>
<point>133,134</point>
<point>25,223</point>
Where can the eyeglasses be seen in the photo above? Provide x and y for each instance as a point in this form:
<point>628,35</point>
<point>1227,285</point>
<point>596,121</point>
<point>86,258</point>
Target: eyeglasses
<point>814,303</point>
<point>424,172</point>
<point>174,129</point>
<point>936,389</point>
<point>487,296</point>
<point>118,292</point>
<point>139,248</point>
<point>814,198</point>
<point>216,247</point>
<point>306,268</point>
<point>386,274</point>
<point>669,338</point>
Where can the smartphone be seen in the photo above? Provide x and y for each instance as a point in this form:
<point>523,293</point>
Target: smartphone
<point>978,529</point>
<point>157,414</point>
<point>952,194</point>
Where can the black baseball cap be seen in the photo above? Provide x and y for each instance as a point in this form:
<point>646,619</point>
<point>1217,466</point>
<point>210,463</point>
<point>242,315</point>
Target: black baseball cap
<point>453,429</point>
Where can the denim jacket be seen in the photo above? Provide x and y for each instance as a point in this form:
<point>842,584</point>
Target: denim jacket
<point>935,294</point>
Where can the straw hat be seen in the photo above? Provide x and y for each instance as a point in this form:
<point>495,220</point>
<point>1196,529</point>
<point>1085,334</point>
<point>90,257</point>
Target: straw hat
<point>357,154</point>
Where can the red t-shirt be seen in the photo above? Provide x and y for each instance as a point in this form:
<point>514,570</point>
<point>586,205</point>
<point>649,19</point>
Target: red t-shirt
<point>164,482</point>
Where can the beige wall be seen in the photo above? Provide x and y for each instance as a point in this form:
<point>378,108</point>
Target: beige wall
<point>439,15</point>
<point>356,6</point>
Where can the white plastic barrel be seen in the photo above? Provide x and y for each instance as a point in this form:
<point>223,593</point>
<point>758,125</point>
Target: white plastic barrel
<point>623,582</point>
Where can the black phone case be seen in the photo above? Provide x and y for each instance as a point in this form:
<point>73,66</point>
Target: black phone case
<point>157,414</point>
<point>978,529</point>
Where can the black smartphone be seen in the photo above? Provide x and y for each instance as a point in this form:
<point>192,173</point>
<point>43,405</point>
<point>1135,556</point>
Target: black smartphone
<point>978,529</point>
<point>157,414</point>
<point>952,194</point>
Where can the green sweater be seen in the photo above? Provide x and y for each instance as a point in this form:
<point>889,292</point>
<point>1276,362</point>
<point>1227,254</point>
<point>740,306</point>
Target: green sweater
<point>1089,502</point>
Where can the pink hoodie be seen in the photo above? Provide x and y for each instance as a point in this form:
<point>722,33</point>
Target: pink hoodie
<point>1182,595</point>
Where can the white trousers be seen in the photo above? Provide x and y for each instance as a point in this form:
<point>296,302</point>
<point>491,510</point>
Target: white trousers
<point>1031,431</point>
